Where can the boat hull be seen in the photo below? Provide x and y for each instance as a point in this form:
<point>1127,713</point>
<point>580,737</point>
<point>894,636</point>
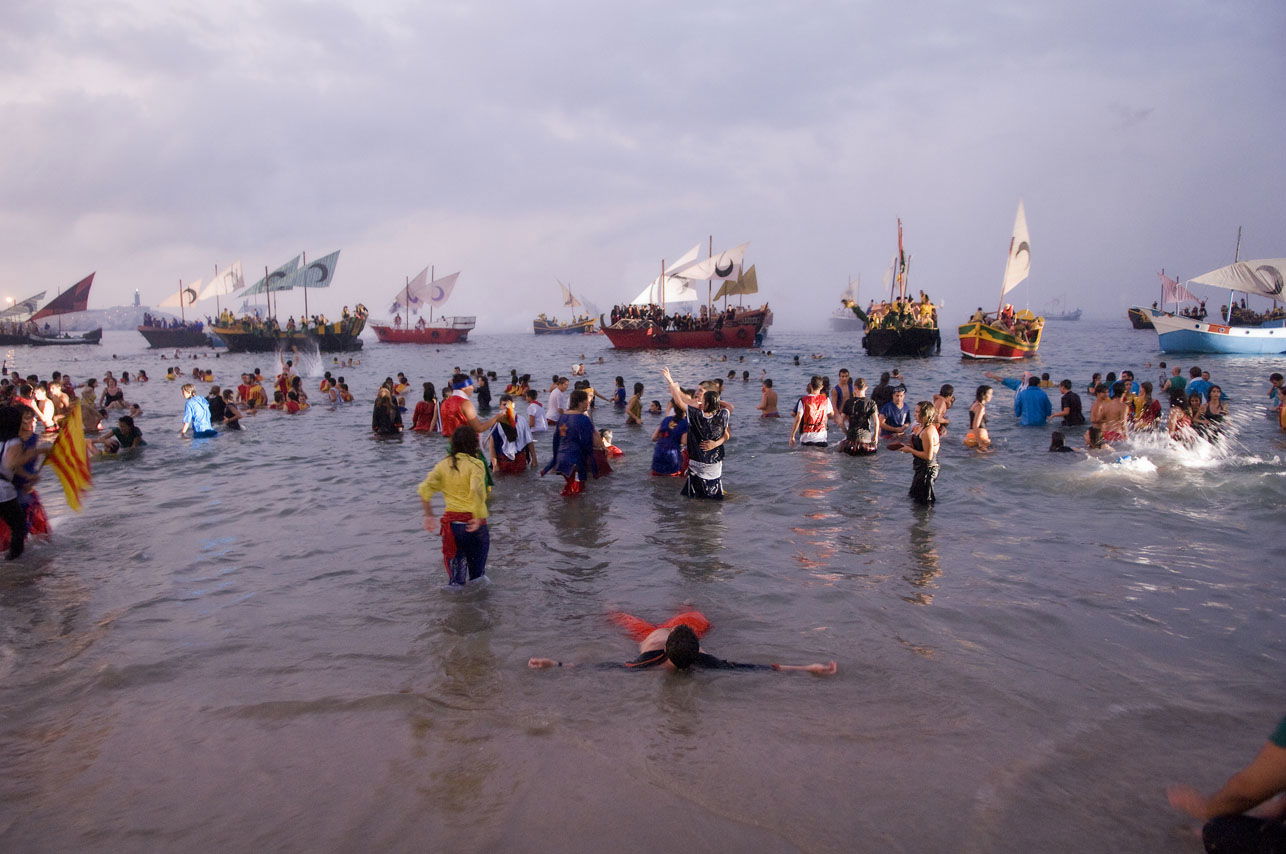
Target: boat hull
<point>94,336</point>
<point>545,327</point>
<point>988,341</point>
<point>334,338</point>
<point>1066,315</point>
<point>912,341</point>
<point>429,335</point>
<point>1188,335</point>
<point>160,337</point>
<point>1140,318</point>
<point>651,337</point>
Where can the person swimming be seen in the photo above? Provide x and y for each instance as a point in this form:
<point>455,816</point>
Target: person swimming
<point>675,645</point>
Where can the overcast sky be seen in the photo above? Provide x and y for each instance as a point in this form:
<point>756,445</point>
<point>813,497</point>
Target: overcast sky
<point>524,142</point>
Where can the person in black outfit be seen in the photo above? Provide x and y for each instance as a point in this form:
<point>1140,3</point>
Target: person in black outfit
<point>1072,414</point>
<point>677,648</point>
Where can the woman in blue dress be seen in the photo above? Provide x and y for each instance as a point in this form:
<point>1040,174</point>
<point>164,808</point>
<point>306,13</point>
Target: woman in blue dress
<point>573,452</point>
<point>667,454</point>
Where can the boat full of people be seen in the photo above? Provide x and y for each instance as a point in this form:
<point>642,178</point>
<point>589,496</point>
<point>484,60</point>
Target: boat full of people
<point>1242,330</point>
<point>899,326</point>
<point>248,334</point>
<point>670,314</point>
<point>1007,334</point>
<point>167,333</point>
<point>424,290</point>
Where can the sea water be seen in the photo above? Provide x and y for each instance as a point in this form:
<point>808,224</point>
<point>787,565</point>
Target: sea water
<point>244,643</point>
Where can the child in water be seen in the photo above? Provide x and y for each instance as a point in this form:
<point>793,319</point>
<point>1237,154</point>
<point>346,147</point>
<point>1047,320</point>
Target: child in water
<point>654,408</point>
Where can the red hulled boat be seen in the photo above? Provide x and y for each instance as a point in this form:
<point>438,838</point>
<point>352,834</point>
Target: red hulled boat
<point>424,289</point>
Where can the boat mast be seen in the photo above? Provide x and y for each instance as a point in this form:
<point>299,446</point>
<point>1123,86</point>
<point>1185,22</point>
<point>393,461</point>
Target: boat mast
<point>433,277</point>
<point>1236,256</point>
<point>217,309</point>
<point>662,286</point>
<point>304,285</point>
<point>710,282</point>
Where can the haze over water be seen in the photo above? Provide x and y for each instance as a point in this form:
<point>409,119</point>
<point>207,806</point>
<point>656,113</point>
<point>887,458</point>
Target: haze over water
<point>245,644</point>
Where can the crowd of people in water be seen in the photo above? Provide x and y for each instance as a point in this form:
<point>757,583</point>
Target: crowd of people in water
<point>691,424</point>
<point>705,318</point>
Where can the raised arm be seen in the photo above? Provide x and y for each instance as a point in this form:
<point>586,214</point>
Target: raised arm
<point>676,393</point>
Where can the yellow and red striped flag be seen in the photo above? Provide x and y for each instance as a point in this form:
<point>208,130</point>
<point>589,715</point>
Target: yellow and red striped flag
<point>70,458</point>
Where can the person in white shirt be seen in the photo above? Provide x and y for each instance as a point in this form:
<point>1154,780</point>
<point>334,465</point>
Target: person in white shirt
<point>557,403</point>
<point>535,413</point>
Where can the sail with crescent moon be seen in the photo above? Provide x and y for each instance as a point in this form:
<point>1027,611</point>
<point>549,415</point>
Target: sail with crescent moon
<point>719,267</point>
<point>267,282</point>
<point>1264,278</point>
<point>675,289</point>
<point>746,283</point>
<point>185,296</point>
<point>317,273</point>
<point>1018,264</point>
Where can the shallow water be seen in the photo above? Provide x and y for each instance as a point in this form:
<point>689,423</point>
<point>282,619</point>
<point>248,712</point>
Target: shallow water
<point>244,643</point>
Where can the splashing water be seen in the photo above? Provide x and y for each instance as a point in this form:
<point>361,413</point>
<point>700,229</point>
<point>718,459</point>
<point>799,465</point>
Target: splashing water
<point>306,356</point>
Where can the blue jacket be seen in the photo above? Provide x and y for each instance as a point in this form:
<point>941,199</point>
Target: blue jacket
<point>1032,406</point>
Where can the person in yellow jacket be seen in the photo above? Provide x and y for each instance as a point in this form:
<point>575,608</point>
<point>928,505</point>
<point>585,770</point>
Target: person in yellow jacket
<point>464,481</point>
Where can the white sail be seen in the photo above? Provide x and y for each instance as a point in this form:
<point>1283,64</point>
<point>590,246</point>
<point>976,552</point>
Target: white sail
<point>183,297</point>
<point>1018,264</point>
<point>224,283</point>
<point>411,295</point>
<point>1265,278</point>
<point>684,260</point>
<point>676,290</point>
<point>724,265</point>
<point>438,291</point>
<point>27,306</point>
<point>569,299</point>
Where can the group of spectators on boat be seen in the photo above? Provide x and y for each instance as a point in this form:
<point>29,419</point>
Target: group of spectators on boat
<point>156,321</point>
<point>1196,312</point>
<point>641,315</point>
<point>1023,325</point>
<point>317,323</point>
<point>1243,316</point>
<point>901,313</point>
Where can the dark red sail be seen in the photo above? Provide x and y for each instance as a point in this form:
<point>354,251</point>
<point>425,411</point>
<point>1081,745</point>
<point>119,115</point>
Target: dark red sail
<point>75,298</point>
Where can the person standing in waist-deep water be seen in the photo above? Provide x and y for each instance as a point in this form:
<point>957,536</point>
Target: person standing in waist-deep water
<point>573,450</point>
<point>708,431</point>
<point>462,480</point>
<point>196,414</point>
<point>385,419</point>
<point>425,417</point>
<point>16,425</point>
<point>861,423</point>
<point>811,413</point>
<point>670,434</point>
<point>924,447</point>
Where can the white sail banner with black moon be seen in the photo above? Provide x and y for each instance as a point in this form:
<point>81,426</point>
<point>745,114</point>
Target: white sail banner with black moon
<point>724,265</point>
<point>438,291</point>
<point>315,274</point>
<point>1264,277</point>
<point>268,282</point>
<point>185,296</point>
<point>1018,264</point>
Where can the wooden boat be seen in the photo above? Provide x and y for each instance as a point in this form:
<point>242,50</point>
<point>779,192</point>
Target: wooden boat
<point>75,298</point>
<point>94,336</point>
<point>186,333</point>
<point>444,330</point>
<point>737,327</point>
<point>896,330</point>
<point>1140,318</point>
<point>549,326</point>
<point>424,289</point>
<point>989,337</point>
<point>1241,332</point>
<point>253,336</point>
